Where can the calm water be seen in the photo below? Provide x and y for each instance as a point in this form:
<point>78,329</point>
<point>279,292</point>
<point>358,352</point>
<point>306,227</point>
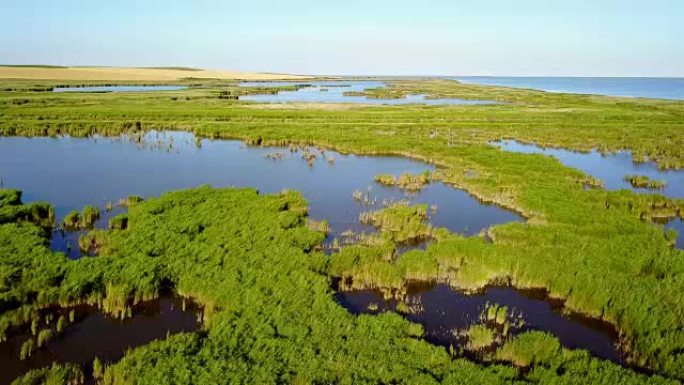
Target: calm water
<point>611,169</point>
<point>446,310</point>
<point>663,88</point>
<point>54,170</point>
<point>95,335</point>
<point>119,88</point>
<point>333,92</point>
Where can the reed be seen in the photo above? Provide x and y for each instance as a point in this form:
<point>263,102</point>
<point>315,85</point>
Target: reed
<point>119,222</point>
<point>130,201</point>
<point>580,244</point>
<point>89,215</point>
<point>480,337</point>
<point>72,220</point>
<point>44,337</point>
<point>642,181</point>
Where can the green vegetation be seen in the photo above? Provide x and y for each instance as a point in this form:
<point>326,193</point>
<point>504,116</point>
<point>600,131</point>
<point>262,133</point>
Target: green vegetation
<point>119,222</point>
<point>403,223</point>
<point>595,249</point>
<point>130,201</point>
<point>66,374</point>
<point>406,181</point>
<point>643,181</point>
<point>386,179</point>
<point>85,219</point>
<point>92,241</point>
<point>72,220</point>
<point>269,315</point>
<point>44,336</point>
<point>11,210</point>
<point>89,215</point>
<point>480,337</point>
<point>353,93</point>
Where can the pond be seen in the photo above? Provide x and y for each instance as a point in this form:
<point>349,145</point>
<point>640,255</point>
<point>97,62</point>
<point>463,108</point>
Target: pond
<point>54,170</point>
<point>119,88</point>
<point>92,334</point>
<point>445,311</point>
<point>334,92</point>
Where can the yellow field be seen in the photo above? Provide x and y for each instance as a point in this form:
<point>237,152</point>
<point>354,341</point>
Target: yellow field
<point>132,73</point>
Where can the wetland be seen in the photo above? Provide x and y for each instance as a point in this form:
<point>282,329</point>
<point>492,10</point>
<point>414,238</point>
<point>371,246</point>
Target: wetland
<point>385,243</point>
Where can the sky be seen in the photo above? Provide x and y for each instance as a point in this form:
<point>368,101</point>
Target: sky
<point>354,37</point>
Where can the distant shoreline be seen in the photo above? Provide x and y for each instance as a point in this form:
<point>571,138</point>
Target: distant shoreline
<point>45,72</point>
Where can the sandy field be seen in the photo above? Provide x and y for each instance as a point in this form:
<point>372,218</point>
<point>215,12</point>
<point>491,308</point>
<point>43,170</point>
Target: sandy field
<point>132,73</point>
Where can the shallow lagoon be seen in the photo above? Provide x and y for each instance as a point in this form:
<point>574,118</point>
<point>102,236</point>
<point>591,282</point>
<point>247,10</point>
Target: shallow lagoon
<point>333,92</point>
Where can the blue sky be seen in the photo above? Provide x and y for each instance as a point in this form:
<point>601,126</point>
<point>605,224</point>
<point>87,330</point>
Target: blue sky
<point>397,37</point>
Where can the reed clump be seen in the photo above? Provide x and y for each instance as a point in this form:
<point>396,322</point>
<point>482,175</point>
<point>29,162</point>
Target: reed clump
<point>92,241</point>
<point>402,222</point>
<point>480,337</point>
<point>119,222</point>
<point>89,215</point>
<point>130,201</point>
<point>321,226</point>
<point>407,181</point>
<point>72,221</point>
<point>643,181</point>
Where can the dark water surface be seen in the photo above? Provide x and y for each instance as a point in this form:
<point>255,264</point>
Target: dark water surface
<point>333,92</point>
<point>119,88</point>
<point>71,172</point>
<point>95,335</point>
<point>662,88</point>
<point>445,310</point>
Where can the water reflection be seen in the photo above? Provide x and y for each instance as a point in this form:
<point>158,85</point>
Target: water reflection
<point>444,310</point>
<point>92,334</point>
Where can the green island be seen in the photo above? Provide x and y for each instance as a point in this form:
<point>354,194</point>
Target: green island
<point>268,310</point>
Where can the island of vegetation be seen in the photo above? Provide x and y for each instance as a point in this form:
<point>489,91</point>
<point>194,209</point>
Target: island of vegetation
<point>643,181</point>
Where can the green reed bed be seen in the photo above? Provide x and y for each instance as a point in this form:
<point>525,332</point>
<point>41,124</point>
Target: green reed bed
<point>269,313</point>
